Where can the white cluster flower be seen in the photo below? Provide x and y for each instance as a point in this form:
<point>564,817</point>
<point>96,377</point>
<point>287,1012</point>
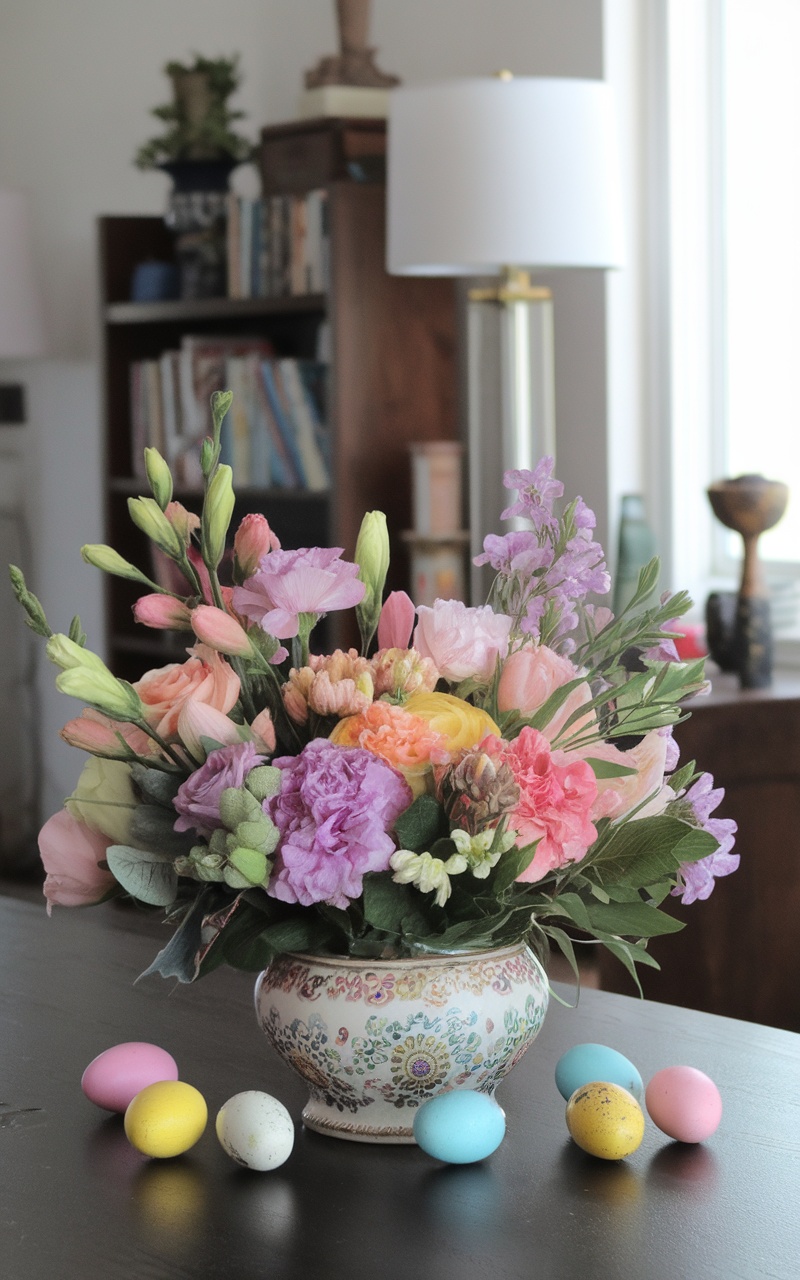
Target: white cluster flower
<point>482,851</point>
<point>426,872</point>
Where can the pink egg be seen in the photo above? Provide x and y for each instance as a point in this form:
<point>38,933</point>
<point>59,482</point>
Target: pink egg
<point>113,1079</point>
<point>684,1103</point>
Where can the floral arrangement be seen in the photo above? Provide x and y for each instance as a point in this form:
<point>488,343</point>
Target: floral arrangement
<point>475,776</point>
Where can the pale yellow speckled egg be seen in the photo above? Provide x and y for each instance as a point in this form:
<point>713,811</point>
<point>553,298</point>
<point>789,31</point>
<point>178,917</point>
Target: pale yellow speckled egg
<point>605,1120</point>
<point>166,1118</point>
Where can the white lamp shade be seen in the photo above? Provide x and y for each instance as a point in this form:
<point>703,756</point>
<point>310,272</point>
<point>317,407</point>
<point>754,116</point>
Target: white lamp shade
<point>21,328</point>
<point>488,173</point>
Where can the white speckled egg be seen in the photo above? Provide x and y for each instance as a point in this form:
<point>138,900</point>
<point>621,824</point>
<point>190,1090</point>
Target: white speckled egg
<point>255,1130</point>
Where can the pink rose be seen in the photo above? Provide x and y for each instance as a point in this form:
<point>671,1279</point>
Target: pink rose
<point>205,676</point>
<point>617,796</point>
<point>462,641</point>
<point>71,854</point>
<point>531,675</point>
<point>557,791</point>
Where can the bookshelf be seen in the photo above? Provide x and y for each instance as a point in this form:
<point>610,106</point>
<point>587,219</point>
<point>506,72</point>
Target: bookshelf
<point>392,380</point>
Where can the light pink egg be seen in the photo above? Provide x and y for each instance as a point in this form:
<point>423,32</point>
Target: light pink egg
<point>113,1079</point>
<point>684,1103</point>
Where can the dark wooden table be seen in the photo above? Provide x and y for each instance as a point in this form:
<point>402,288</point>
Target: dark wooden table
<point>78,1202</point>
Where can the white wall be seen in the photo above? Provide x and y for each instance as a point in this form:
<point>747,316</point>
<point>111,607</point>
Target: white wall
<point>77,80</point>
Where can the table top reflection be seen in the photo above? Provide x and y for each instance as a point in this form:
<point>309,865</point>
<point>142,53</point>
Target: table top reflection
<point>78,1201</point>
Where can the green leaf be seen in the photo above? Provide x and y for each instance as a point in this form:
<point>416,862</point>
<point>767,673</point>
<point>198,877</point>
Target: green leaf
<point>179,958</point>
<point>395,908</point>
<point>631,919</point>
<point>648,850</point>
<point>511,865</point>
<point>422,822</point>
<point>153,827</point>
<point>605,769</point>
<point>149,877</point>
<point>681,778</point>
<point>155,785</point>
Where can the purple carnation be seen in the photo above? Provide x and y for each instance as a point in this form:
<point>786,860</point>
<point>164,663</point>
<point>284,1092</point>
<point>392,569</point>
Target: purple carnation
<point>198,798</point>
<point>334,811</point>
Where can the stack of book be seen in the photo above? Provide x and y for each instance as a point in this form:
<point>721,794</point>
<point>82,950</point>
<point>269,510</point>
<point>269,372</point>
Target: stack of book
<point>275,433</point>
<point>278,246</point>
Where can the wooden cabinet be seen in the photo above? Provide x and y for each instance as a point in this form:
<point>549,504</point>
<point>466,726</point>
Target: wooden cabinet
<point>738,954</point>
<point>392,380</point>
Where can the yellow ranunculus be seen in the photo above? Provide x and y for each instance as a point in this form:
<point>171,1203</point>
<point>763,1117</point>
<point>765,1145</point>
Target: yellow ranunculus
<point>461,724</point>
<point>104,798</point>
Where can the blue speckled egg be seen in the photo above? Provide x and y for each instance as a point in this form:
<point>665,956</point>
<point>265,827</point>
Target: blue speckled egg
<point>584,1063</point>
<point>460,1127</point>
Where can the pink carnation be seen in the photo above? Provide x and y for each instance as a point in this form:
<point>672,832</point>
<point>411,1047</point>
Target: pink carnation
<point>557,791</point>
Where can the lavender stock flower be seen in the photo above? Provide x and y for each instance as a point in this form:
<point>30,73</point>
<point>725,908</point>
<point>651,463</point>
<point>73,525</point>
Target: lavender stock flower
<point>697,878</point>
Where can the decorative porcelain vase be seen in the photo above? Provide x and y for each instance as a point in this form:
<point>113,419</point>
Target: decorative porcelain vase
<point>373,1039</point>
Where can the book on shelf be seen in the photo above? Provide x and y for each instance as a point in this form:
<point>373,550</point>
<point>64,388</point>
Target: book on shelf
<point>278,245</point>
<point>275,433</point>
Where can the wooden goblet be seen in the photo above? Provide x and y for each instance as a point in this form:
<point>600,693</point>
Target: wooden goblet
<point>750,505</point>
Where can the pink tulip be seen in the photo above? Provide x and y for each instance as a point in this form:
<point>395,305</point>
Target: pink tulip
<point>71,854</point>
<point>254,539</point>
<point>220,631</point>
<point>531,675</point>
<point>396,621</point>
<point>93,732</point>
<point>264,731</point>
<point>163,612</point>
<point>198,720</point>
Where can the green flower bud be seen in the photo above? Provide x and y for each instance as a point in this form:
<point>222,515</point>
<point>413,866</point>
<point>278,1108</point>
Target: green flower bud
<point>35,619</point>
<point>159,476</point>
<point>115,698</point>
<point>217,513</point>
<point>147,515</point>
<point>372,558</point>
<point>250,863</point>
<point>68,655</point>
<point>110,561</point>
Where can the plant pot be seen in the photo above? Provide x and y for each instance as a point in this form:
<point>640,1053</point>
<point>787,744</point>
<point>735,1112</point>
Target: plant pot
<point>374,1039</point>
<point>197,215</point>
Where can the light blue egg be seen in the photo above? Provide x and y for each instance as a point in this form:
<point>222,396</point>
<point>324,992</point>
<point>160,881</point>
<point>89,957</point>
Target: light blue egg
<point>584,1063</point>
<point>460,1127</point>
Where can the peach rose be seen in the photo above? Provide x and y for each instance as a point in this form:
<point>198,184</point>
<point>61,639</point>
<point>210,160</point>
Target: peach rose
<point>531,675</point>
<point>71,854</point>
<point>205,676</point>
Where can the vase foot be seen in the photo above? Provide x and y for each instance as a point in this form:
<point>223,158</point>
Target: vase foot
<point>321,1120</point>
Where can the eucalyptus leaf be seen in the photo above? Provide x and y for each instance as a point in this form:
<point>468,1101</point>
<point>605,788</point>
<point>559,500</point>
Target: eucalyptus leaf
<point>180,957</point>
<point>264,781</point>
<point>149,877</point>
<point>156,786</point>
<point>154,828</point>
<point>237,805</point>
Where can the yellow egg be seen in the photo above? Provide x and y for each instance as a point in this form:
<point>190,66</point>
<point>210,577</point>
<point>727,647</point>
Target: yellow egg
<point>166,1118</point>
<point>605,1120</point>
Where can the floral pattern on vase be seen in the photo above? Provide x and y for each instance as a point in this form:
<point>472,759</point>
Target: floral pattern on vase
<point>374,1039</point>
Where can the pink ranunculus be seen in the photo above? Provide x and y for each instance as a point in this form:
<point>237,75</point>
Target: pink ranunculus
<point>617,796</point>
<point>163,612</point>
<point>93,732</point>
<point>557,791</point>
<point>396,621</point>
<point>311,580</point>
<point>462,641</point>
<point>205,676</point>
<point>220,631</point>
<point>531,675</point>
<point>71,854</point>
<point>254,539</point>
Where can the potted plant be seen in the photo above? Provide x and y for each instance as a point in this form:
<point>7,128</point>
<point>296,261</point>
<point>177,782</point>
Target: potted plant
<point>198,150</point>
